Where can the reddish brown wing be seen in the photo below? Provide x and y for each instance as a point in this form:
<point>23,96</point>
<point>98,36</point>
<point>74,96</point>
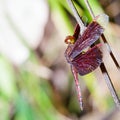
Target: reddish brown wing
<point>86,63</point>
<point>91,34</point>
<point>76,32</point>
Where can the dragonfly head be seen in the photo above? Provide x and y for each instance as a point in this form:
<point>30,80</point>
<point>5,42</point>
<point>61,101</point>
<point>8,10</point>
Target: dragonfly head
<point>69,40</point>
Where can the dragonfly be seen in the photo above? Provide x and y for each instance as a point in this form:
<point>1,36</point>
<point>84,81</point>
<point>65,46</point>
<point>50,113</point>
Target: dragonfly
<point>83,62</point>
<point>76,56</point>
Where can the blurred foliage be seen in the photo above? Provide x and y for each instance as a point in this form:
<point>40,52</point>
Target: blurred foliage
<point>26,95</point>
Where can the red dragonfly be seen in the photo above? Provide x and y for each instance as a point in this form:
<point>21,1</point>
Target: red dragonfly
<point>84,62</point>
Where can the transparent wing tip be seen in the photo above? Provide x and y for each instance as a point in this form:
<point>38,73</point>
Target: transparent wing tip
<point>102,19</point>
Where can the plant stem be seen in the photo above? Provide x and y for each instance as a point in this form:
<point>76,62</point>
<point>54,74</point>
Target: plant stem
<point>110,85</point>
<point>76,15</point>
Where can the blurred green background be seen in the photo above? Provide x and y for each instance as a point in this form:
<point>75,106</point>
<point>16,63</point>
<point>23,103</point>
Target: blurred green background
<point>35,80</point>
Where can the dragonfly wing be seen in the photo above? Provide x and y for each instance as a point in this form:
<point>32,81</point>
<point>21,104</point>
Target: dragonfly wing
<point>86,63</point>
<point>90,35</point>
<point>76,32</point>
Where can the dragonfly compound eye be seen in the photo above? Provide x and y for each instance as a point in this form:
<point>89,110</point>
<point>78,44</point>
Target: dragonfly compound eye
<point>69,40</point>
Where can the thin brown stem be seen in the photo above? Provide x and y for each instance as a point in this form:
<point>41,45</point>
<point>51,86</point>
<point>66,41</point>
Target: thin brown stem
<point>110,51</point>
<point>110,85</point>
